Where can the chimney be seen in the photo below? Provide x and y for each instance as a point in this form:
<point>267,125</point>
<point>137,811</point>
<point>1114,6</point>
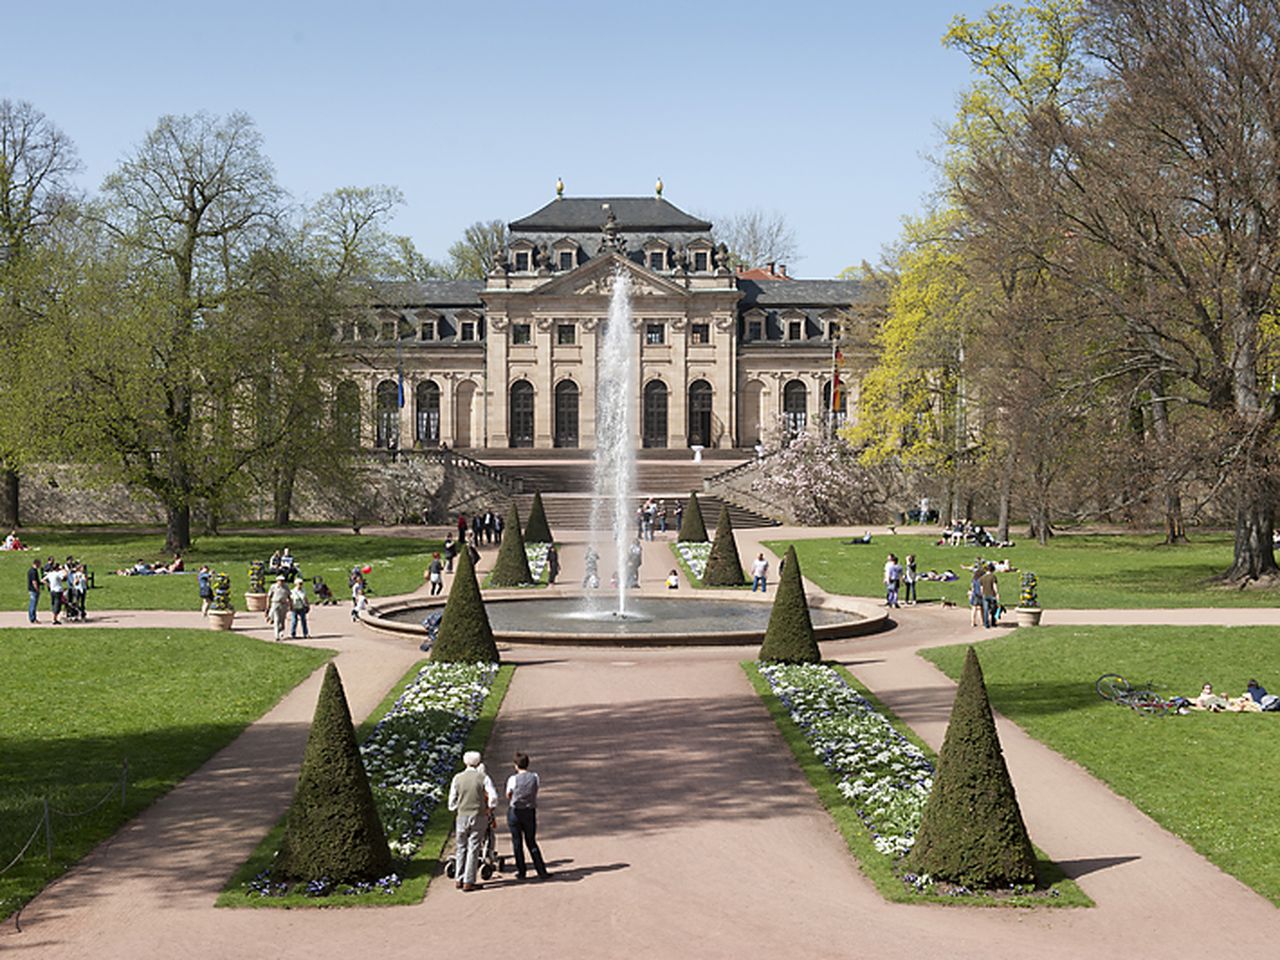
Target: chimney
<point>770,267</point>
<point>782,271</point>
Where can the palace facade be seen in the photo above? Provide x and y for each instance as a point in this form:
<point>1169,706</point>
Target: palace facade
<point>511,360</point>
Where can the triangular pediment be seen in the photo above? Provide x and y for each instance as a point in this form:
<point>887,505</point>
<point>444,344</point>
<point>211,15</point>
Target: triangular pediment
<point>595,278</point>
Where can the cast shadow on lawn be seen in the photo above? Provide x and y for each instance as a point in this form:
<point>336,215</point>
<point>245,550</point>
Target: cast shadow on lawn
<point>923,704</point>
<point>189,840</point>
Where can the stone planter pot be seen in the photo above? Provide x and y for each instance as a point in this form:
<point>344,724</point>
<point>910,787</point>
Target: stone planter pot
<point>1028,616</point>
<point>255,602</point>
<point>221,619</point>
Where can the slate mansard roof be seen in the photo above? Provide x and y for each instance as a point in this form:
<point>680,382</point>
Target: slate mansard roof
<point>634,215</point>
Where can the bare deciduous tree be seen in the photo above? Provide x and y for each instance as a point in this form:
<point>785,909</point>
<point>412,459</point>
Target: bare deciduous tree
<point>756,237</point>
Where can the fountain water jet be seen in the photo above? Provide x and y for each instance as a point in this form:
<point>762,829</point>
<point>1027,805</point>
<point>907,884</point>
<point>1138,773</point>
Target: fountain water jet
<point>616,400</point>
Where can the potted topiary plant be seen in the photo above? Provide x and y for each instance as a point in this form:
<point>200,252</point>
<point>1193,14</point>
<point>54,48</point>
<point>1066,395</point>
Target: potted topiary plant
<point>255,598</point>
<point>1028,610</point>
<point>221,613</point>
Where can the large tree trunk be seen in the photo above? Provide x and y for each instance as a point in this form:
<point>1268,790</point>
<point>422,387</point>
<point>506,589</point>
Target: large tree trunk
<point>1006,495</point>
<point>1254,554</point>
<point>9,489</point>
<point>177,536</point>
<point>282,495</point>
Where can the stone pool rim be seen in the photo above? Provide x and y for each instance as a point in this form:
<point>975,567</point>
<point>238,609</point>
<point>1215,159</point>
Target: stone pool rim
<point>866,616</point>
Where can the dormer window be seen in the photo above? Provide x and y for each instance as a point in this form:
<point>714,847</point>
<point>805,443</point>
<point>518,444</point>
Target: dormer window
<point>428,330</point>
<point>795,330</point>
<point>566,259</point>
<point>833,329</point>
<point>755,329</point>
<point>564,253</point>
<point>701,261</point>
<point>657,259</point>
<point>521,261</point>
<point>389,330</point>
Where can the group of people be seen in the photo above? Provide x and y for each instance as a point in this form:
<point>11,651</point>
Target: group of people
<point>287,600</point>
<point>474,802</point>
<point>900,581</point>
<point>484,528</point>
<point>963,532</point>
<point>984,594</point>
<point>12,542</point>
<point>141,568</point>
<point>652,516</point>
<point>1254,699</point>
<point>68,586</point>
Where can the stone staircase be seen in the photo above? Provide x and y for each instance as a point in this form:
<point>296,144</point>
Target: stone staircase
<point>565,480</point>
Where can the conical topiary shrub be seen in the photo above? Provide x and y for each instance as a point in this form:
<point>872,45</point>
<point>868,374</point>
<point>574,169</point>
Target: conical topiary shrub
<point>537,530</point>
<point>790,638</point>
<point>465,635</point>
<point>333,830</point>
<point>971,831</point>
<point>511,569</point>
<point>724,568</point>
<point>692,527</point>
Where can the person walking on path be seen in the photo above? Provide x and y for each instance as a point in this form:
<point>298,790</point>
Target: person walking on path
<point>522,816</point>
<point>975,593</point>
<point>56,578</point>
<point>553,564</point>
<point>892,577</point>
<point>760,574</point>
<point>990,596</point>
<point>471,798</point>
<point>33,590</point>
<point>204,584</point>
<point>435,575</point>
<point>450,551</point>
<point>277,606</point>
<point>298,608</point>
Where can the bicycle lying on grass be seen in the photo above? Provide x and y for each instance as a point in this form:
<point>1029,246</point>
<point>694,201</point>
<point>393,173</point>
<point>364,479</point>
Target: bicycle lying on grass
<point>1113,687</point>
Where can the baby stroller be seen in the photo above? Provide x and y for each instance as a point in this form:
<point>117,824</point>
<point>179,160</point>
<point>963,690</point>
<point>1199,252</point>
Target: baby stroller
<point>73,606</point>
<point>489,859</point>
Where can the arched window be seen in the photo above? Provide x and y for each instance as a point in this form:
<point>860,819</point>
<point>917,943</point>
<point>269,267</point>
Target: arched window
<point>428,411</point>
<point>655,414</point>
<point>387,415</point>
<point>520,414</point>
<point>795,401</point>
<point>566,434</point>
<point>700,414</point>
<point>346,413</point>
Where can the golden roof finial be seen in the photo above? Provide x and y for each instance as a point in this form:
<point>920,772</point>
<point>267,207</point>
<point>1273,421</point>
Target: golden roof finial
<point>658,187</point>
<point>559,188</point>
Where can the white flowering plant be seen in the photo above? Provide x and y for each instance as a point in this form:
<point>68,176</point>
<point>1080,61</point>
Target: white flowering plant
<point>537,556</point>
<point>883,775</point>
<point>695,554</point>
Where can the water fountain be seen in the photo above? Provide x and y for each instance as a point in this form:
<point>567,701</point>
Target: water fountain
<point>690,620</point>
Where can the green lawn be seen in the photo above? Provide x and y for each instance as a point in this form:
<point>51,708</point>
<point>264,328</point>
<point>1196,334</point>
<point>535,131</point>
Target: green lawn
<point>1206,777</point>
<point>74,704</point>
<point>1075,571</point>
<point>397,563</point>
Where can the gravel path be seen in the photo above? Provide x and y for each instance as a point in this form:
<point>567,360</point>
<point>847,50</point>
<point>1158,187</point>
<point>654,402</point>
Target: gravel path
<point>673,818</point>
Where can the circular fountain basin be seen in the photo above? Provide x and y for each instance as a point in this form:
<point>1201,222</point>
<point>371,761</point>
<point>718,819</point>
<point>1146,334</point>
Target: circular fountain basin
<point>649,621</point>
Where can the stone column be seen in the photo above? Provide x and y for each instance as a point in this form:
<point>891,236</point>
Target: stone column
<point>543,382</point>
<point>678,382</point>
<point>446,407</point>
<point>588,382</point>
<point>725,402</point>
<point>492,394</point>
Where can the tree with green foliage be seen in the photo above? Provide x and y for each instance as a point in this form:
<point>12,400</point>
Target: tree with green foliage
<point>333,831</point>
<point>971,831</point>
<point>37,164</point>
<point>724,567</point>
<point>692,527</point>
<point>465,634</point>
<point>511,569</point>
<point>789,637</point>
<point>481,246</point>
<point>537,530</point>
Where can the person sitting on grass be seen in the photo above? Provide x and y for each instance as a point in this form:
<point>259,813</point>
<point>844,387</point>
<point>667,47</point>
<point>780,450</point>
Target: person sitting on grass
<point>1208,700</point>
<point>673,580</point>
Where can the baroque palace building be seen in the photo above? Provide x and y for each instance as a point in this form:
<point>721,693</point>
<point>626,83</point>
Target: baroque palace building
<point>726,359</point>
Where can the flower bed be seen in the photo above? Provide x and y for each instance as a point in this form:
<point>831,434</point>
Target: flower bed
<point>883,775</point>
<point>695,554</point>
<point>410,757</point>
<point>537,554</point>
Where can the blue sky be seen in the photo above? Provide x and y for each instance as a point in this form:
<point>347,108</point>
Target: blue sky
<point>823,111</point>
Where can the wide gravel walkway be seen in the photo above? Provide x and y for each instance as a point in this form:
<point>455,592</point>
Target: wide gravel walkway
<point>674,820</point>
